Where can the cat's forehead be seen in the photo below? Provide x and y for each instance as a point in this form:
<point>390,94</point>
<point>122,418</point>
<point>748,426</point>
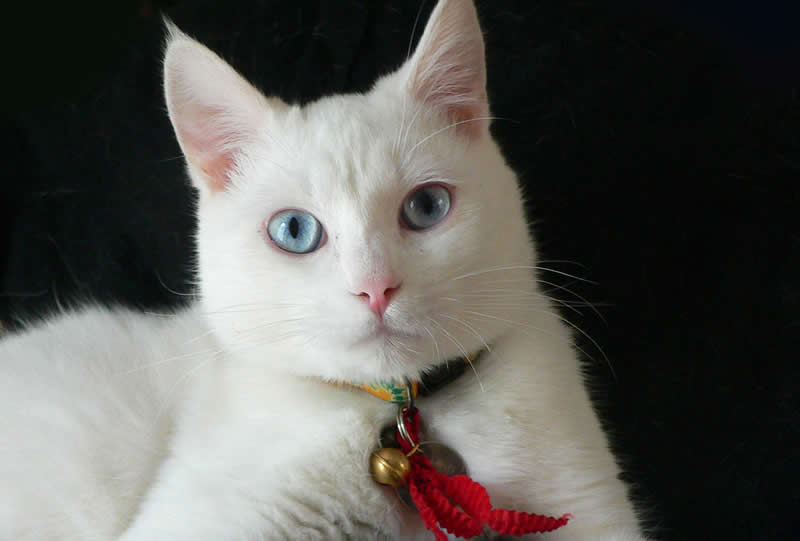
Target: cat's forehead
<point>351,144</point>
<point>362,147</point>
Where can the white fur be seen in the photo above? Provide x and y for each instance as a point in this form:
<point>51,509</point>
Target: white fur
<point>225,421</point>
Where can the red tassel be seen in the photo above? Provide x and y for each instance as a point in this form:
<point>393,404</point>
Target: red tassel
<point>458,504</point>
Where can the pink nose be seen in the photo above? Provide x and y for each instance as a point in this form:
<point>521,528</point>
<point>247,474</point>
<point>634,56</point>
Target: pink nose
<point>378,294</point>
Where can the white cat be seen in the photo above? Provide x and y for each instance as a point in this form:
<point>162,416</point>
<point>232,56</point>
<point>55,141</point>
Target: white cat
<point>358,238</point>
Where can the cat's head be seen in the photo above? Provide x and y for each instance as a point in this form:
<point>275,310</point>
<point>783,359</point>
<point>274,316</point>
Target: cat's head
<point>359,237</point>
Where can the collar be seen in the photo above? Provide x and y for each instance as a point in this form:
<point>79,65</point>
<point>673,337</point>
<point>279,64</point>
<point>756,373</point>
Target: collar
<point>431,381</point>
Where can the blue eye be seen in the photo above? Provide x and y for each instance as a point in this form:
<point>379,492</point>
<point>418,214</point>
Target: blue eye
<point>426,207</point>
<point>295,231</point>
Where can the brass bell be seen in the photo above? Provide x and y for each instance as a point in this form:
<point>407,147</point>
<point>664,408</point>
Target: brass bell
<point>389,466</point>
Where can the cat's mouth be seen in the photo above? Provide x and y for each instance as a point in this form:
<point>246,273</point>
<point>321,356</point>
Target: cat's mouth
<point>385,332</point>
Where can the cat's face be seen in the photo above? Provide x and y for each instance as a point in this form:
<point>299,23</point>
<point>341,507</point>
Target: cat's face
<point>360,237</point>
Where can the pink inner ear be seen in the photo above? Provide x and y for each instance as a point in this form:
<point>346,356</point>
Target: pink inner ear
<point>470,121</point>
<point>217,170</point>
<point>464,106</point>
<point>459,92</point>
<point>208,146</point>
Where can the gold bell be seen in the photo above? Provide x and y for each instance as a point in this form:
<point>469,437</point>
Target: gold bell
<point>389,466</point>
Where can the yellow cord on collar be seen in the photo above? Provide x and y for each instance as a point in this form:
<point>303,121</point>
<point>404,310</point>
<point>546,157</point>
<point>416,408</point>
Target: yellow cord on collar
<point>390,391</point>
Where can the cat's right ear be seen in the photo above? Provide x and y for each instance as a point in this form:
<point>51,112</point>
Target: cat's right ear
<point>215,112</point>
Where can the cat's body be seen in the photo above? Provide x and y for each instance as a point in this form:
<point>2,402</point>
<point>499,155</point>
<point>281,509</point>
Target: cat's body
<point>231,419</point>
<point>246,458</point>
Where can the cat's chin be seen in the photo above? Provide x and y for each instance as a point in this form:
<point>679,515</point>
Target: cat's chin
<point>384,353</point>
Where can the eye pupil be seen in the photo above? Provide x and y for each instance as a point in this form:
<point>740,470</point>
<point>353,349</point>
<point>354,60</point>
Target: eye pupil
<point>294,227</point>
<point>427,202</point>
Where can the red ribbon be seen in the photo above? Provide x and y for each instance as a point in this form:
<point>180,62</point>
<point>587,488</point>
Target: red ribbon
<point>457,503</point>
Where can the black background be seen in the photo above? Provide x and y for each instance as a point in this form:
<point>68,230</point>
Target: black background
<point>659,147</point>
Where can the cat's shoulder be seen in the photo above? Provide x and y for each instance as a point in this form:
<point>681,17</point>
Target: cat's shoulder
<point>94,330</point>
<point>93,318</point>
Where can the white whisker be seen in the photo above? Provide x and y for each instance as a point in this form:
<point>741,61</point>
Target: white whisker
<point>437,353</point>
<point>590,305</point>
<point>453,125</point>
<point>269,325</point>
<point>165,286</point>
<point>523,328</point>
<point>169,395</point>
<point>164,361</point>
<point>485,345</point>
<point>463,352</point>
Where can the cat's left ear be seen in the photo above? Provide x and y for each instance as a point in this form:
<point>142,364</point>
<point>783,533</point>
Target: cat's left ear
<point>215,112</point>
<point>448,68</point>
